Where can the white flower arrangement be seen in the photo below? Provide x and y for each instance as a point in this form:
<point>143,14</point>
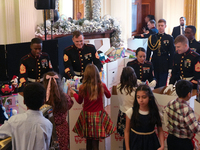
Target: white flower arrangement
<point>62,27</point>
<point>85,25</point>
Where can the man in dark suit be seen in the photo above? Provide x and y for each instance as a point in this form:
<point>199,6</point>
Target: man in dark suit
<point>190,34</point>
<point>179,30</point>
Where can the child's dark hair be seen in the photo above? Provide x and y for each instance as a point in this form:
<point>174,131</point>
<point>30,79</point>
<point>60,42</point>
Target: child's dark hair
<point>128,80</point>
<point>58,103</point>
<point>183,87</point>
<point>140,49</point>
<point>153,108</point>
<point>34,95</point>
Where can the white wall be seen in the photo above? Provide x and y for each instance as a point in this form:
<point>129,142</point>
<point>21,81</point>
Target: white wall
<point>66,8</point>
<point>171,11</point>
<point>19,17</point>
<point>105,7</point>
<point>2,24</point>
<point>18,20</point>
<point>121,10</point>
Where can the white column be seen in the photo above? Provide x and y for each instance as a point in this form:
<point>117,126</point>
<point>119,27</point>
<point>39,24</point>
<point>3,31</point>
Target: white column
<point>121,10</point>
<point>2,24</point>
<point>105,7</point>
<point>10,21</point>
<point>66,8</point>
<point>27,20</point>
<point>18,21</point>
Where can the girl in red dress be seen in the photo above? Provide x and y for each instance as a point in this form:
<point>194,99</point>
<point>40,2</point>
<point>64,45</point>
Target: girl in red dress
<point>93,123</point>
<point>60,103</point>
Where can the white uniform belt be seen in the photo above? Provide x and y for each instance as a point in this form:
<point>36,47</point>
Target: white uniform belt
<point>78,73</point>
<point>35,80</point>
<point>188,78</point>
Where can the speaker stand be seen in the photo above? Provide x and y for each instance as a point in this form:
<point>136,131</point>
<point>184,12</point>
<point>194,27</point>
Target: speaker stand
<point>45,31</point>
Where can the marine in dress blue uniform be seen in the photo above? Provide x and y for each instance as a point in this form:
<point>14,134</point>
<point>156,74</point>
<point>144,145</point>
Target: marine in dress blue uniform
<point>194,45</point>
<point>143,71</point>
<point>33,68</point>
<point>34,65</point>
<point>186,66</point>
<point>190,32</point>
<point>162,46</point>
<point>75,59</point>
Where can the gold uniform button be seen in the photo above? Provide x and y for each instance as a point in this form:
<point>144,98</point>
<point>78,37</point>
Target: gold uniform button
<point>140,73</point>
<point>74,60</point>
<point>39,74</point>
<point>181,60</point>
<point>80,55</point>
<point>182,56</point>
<point>38,63</point>
<point>82,67</point>
<point>39,70</point>
<point>39,67</point>
<point>81,63</point>
<point>81,59</point>
<point>140,69</point>
<point>38,77</point>
<point>140,66</point>
<point>140,76</point>
<point>181,71</point>
<point>181,65</point>
<point>32,69</point>
<point>37,59</point>
<point>79,51</point>
<point>89,59</point>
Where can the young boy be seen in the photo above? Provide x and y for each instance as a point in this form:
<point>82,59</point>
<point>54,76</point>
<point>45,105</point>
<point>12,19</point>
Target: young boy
<point>180,119</point>
<point>29,130</point>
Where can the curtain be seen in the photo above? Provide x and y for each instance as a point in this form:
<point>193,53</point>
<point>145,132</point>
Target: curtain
<point>191,12</point>
<point>198,21</point>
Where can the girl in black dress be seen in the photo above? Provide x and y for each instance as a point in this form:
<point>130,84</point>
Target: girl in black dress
<point>141,121</point>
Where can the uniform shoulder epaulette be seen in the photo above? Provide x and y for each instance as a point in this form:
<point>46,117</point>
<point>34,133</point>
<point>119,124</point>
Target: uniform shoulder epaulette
<point>132,62</point>
<point>69,47</point>
<point>194,53</point>
<point>90,45</point>
<point>44,54</point>
<point>25,57</point>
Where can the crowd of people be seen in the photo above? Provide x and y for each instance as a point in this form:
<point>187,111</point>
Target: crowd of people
<point>138,114</point>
